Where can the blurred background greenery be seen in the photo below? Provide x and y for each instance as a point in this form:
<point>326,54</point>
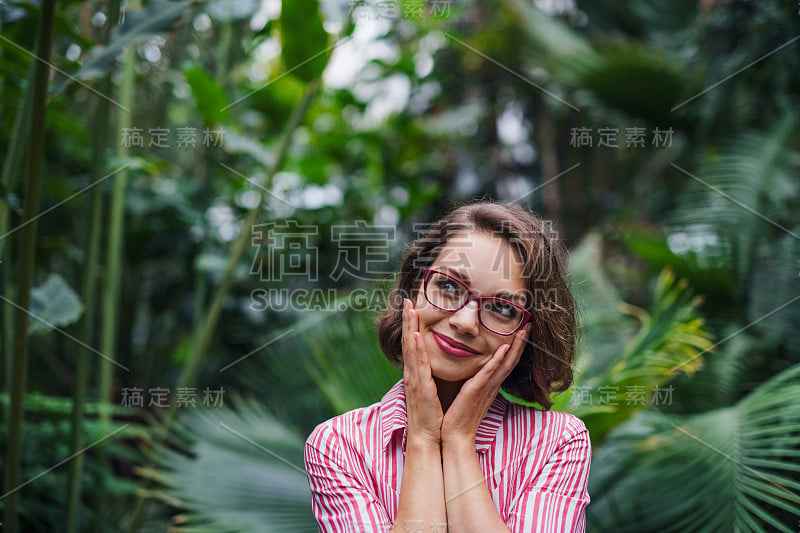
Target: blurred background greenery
<point>155,377</point>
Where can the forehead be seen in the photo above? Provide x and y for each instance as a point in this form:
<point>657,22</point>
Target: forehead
<point>487,261</point>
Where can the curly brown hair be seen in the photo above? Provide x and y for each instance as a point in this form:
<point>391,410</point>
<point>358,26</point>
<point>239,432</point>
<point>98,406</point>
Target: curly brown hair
<point>545,366</point>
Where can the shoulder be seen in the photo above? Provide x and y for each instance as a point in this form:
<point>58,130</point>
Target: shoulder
<point>554,428</point>
<point>360,429</point>
<point>350,426</point>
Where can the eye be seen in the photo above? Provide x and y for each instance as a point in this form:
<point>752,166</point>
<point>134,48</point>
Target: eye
<point>447,285</point>
<point>504,309</point>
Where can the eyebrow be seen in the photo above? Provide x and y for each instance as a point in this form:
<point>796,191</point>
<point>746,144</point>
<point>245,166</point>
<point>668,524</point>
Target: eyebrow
<point>503,293</point>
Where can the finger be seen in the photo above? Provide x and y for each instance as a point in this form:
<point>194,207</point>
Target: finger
<point>422,358</point>
<point>514,353</point>
<point>407,342</point>
<point>518,346</point>
<point>485,379</point>
<point>498,358</point>
<point>506,357</point>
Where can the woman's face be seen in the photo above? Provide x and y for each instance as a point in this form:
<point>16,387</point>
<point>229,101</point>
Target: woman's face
<point>488,265</point>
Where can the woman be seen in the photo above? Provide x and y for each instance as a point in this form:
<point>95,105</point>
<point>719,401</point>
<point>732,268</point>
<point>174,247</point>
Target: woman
<point>481,302</point>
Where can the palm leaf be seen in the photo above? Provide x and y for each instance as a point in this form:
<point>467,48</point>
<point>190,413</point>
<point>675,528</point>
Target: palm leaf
<point>244,473</point>
<point>329,362</point>
<point>730,469</point>
<point>738,197</point>
<point>603,328</point>
<point>243,469</point>
<point>621,378</point>
<point>348,366</point>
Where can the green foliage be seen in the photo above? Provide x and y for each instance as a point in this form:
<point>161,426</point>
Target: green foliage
<point>421,124</point>
<point>624,75</point>
<point>354,374</point>
<point>55,304</point>
<point>670,340</point>
<point>638,81</point>
<point>209,96</point>
<point>742,193</point>
<point>46,454</point>
<point>154,19</point>
<point>245,473</point>
<point>730,469</point>
<point>243,469</point>
<point>305,42</point>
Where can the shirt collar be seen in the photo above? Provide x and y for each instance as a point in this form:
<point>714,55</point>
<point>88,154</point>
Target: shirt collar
<point>393,418</point>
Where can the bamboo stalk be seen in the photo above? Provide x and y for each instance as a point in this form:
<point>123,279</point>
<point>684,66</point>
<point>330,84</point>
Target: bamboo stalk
<point>108,343</point>
<point>88,291</point>
<point>8,181</point>
<point>27,263</point>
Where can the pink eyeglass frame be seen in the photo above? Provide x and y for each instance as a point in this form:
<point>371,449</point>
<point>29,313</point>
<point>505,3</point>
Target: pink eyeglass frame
<point>526,315</point>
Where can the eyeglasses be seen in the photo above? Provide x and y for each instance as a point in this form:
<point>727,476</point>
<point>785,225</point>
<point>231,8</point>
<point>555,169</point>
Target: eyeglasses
<point>450,294</point>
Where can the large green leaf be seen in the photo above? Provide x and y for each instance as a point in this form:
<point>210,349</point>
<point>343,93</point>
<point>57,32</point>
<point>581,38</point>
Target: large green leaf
<point>209,96</point>
<point>637,80</point>
<point>305,42</point>
<point>55,304</point>
<point>625,75</point>
<point>731,469</point>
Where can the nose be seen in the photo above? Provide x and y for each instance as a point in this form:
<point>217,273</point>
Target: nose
<point>466,320</point>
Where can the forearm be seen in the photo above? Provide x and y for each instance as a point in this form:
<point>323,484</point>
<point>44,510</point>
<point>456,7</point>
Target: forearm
<point>421,505</point>
<point>467,499</point>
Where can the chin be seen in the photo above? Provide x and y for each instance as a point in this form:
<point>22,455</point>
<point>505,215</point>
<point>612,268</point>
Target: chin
<point>451,372</point>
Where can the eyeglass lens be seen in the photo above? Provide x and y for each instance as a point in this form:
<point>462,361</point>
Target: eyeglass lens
<point>496,314</point>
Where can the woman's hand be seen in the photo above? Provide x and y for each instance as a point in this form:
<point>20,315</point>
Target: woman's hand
<point>464,416</point>
<point>423,408</point>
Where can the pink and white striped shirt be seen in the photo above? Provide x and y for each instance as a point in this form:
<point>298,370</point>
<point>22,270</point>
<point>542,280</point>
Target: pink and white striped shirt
<point>536,465</point>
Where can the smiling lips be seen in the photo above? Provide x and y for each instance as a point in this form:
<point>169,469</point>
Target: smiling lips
<point>451,347</point>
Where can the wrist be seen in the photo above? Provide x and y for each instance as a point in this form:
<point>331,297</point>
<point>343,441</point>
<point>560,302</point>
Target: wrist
<point>458,441</point>
<point>423,440</point>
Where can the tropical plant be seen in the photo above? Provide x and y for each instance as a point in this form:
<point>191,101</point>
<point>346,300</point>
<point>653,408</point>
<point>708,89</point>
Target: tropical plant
<point>729,469</point>
<point>670,339</point>
<point>241,468</point>
<point>47,454</point>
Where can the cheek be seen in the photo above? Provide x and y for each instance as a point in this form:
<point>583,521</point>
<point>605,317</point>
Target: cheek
<point>427,313</point>
<point>495,342</point>
<point>420,300</point>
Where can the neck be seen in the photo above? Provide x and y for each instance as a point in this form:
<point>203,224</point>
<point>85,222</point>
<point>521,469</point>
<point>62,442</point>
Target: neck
<point>447,391</point>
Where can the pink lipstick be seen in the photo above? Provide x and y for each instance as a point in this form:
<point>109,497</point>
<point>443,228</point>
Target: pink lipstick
<point>451,347</point>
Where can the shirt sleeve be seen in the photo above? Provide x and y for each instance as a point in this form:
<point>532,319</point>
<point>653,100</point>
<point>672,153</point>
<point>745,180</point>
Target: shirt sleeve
<point>340,497</point>
<point>554,499</point>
